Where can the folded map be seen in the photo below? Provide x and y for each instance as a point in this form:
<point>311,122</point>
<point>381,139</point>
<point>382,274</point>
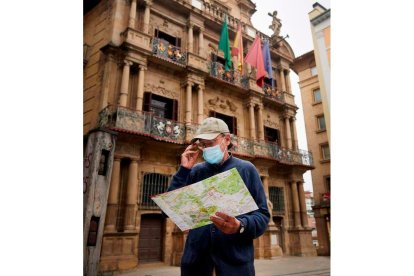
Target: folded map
<point>191,206</point>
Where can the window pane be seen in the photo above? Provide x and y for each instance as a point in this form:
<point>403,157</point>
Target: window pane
<point>317,96</point>
<point>314,72</point>
<point>326,155</point>
<point>321,123</point>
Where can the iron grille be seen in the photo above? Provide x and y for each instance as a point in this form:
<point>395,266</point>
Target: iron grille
<point>153,184</point>
<point>277,198</point>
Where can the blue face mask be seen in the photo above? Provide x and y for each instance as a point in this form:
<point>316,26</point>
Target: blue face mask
<point>213,155</point>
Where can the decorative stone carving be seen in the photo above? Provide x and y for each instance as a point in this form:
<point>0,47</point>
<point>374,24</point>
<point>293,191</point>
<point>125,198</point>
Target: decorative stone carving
<point>224,104</point>
<point>270,123</point>
<point>161,90</point>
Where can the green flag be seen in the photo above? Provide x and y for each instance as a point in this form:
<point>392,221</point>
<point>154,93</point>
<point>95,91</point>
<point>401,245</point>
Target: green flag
<point>224,44</point>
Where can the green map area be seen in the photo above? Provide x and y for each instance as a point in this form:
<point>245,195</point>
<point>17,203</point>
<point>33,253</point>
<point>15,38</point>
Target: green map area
<point>191,206</point>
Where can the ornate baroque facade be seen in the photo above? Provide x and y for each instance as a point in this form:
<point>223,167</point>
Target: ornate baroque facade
<point>152,73</point>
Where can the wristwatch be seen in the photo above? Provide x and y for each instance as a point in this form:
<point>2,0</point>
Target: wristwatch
<point>242,226</point>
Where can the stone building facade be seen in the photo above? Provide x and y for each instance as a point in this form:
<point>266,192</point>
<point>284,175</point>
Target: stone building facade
<point>152,73</point>
<point>317,139</point>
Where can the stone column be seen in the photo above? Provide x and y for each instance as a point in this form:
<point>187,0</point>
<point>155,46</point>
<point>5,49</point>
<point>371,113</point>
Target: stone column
<point>125,83</point>
<point>132,194</point>
<point>113,195</point>
<point>188,103</point>
<point>200,112</point>
<point>260,121</point>
<point>132,14</point>
<point>295,135</point>
<point>108,71</point>
<point>296,209</point>
<point>252,122</point>
<point>289,87</point>
<point>302,202</point>
<point>140,94</point>
<point>282,79</point>
<point>265,179</point>
<point>201,43</point>
<point>148,4</point>
<point>190,37</point>
<point>288,135</point>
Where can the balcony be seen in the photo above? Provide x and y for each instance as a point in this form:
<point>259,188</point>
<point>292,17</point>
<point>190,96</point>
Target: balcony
<point>233,77</point>
<point>147,124</point>
<point>273,93</point>
<point>164,50</point>
<point>142,123</point>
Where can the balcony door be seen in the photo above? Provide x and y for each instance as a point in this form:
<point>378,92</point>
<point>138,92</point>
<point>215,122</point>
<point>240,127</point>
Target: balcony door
<point>229,120</point>
<point>161,106</point>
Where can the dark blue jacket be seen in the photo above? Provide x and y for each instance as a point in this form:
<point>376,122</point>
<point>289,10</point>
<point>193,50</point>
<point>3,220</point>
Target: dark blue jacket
<point>234,249</point>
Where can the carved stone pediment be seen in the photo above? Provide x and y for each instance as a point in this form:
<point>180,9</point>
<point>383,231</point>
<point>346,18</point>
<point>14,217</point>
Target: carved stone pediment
<point>269,122</point>
<point>222,103</point>
<point>158,89</point>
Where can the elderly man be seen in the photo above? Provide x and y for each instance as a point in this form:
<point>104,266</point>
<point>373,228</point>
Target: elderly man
<point>226,246</point>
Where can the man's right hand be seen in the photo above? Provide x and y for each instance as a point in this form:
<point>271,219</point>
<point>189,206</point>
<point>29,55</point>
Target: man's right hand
<point>189,156</point>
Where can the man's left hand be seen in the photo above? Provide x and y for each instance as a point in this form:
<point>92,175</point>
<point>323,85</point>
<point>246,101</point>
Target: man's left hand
<point>225,223</point>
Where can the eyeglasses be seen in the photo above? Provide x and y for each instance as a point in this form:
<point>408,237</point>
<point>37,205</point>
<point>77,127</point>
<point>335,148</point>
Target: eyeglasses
<point>202,144</point>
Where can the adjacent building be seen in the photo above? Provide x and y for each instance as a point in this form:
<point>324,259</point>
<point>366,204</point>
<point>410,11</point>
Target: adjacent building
<point>152,73</point>
<point>313,69</point>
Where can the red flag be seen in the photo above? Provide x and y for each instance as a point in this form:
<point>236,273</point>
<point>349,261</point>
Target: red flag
<point>255,58</point>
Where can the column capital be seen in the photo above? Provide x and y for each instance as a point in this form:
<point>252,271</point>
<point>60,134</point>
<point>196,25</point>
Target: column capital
<point>128,62</point>
<point>117,157</point>
<point>259,106</point>
<point>148,3</point>
<point>250,104</point>
<point>190,25</point>
<point>143,67</point>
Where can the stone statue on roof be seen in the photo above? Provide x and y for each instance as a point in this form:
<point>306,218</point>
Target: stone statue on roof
<point>276,24</point>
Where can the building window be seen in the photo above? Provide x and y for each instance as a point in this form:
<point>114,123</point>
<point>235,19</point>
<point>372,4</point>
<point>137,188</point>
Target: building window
<point>93,231</point>
<point>122,196</point>
<point>317,96</point>
<point>160,106</point>
<point>314,71</point>
<point>103,162</point>
<point>321,122</point>
<point>153,184</point>
<point>327,180</point>
<point>326,154</point>
<point>277,198</point>
<point>272,135</point>
<point>176,41</point>
<point>229,120</point>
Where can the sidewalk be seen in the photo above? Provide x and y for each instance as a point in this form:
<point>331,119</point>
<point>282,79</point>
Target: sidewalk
<point>279,266</point>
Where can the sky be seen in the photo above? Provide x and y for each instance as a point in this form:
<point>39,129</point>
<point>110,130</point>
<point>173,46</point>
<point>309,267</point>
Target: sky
<point>295,23</point>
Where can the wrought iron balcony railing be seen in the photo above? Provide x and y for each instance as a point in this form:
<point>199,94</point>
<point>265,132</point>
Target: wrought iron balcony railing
<point>273,93</point>
<point>146,123</point>
<point>165,50</point>
<point>234,77</point>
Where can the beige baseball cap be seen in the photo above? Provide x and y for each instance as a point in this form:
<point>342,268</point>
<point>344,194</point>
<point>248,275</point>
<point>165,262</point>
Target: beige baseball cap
<point>210,128</point>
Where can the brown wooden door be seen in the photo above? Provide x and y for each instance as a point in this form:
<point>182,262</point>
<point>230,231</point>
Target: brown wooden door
<point>150,239</point>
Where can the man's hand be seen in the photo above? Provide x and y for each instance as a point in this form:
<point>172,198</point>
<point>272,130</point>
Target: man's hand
<point>189,156</point>
<point>227,224</point>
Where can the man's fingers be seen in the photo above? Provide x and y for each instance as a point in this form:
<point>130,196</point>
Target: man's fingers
<point>224,216</point>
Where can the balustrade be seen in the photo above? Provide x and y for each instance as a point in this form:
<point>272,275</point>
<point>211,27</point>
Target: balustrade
<point>146,123</point>
<point>163,49</point>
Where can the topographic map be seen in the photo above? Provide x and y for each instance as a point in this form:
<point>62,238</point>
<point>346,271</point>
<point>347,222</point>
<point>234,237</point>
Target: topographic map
<point>191,206</point>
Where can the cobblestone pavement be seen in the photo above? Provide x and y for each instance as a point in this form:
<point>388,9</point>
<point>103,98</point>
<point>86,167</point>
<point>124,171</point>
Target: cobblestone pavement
<point>279,266</point>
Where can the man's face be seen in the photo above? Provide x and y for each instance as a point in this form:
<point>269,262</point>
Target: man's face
<point>203,144</point>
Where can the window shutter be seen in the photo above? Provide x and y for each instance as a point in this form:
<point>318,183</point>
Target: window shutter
<point>234,125</point>
<point>178,42</point>
<point>175,108</point>
<point>147,101</point>
<point>156,32</point>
